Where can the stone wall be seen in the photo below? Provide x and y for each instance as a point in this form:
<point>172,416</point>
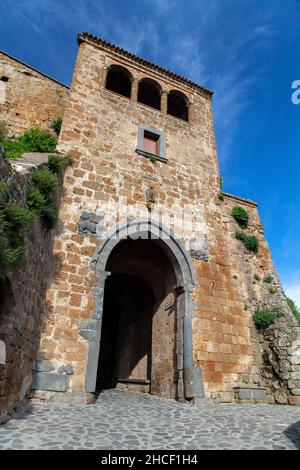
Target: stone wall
<point>23,304</point>
<point>230,350</point>
<point>28,97</point>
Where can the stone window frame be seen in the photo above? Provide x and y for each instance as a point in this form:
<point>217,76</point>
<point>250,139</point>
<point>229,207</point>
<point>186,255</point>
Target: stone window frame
<point>161,143</point>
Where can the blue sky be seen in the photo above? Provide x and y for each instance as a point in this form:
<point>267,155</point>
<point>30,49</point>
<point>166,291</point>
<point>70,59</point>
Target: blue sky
<point>247,51</point>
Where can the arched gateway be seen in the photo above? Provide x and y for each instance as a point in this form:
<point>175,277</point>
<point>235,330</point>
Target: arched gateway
<point>141,329</point>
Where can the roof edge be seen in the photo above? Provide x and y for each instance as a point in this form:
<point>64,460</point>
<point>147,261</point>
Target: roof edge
<point>35,70</point>
<point>87,37</point>
<point>240,199</point>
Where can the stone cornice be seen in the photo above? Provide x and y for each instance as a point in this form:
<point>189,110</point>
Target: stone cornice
<point>89,38</point>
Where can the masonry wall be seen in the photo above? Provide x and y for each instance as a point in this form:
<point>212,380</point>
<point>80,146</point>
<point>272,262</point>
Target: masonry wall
<point>230,350</point>
<point>23,303</point>
<point>100,133</point>
<point>27,97</point>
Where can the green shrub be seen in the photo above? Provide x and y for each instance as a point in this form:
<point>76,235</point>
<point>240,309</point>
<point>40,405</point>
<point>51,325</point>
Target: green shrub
<point>36,200</point>
<point>268,279</point>
<point>4,186</point>
<point>8,256</point>
<point>56,163</point>
<point>56,125</point>
<point>250,242</point>
<point>18,217</point>
<point>256,277</point>
<point>45,180</point>
<point>50,215</point>
<point>13,149</point>
<point>33,140</point>
<point>265,318</point>
<point>221,197</point>
<point>241,216</point>
<point>2,131</point>
<point>295,310</point>
<point>36,140</point>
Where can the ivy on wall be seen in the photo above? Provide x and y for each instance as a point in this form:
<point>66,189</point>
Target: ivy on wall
<point>251,242</point>
<point>16,218</point>
<point>265,318</point>
<point>241,216</point>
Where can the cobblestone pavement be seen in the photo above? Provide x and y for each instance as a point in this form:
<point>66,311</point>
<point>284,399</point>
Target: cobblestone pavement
<point>126,420</point>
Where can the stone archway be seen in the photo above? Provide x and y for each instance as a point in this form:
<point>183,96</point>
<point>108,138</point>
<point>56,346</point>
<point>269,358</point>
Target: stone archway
<point>190,382</point>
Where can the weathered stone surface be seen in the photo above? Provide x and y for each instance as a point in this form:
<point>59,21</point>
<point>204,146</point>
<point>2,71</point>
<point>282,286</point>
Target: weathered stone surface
<point>51,382</point>
<point>29,97</point>
<point>44,366</point>
<point>23,303</point>
<point>66,369</point>
<point>2,352</point>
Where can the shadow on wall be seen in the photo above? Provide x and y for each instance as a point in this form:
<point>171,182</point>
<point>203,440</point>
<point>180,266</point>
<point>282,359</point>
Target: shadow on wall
<point>23,309</point>
<point>293,434</point>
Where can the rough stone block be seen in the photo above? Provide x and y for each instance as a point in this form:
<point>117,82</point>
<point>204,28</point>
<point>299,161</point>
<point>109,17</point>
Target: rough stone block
<point>50,382</point>
<point>89,223</point>
<point>66,369</point>
<point>2,352</point>
<point>44,366</point>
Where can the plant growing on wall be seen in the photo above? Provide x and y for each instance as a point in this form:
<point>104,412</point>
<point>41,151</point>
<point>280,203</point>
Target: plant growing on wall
<point>265,318</point>
<point>268,279</point>
<point>241,216</point>
<point>295,310</point>
<point>251,242</point>
<point>16,218</point>
<point>56,125</point>
<point>56,163</point>
<point>33,140</point>
<point>2,131</point>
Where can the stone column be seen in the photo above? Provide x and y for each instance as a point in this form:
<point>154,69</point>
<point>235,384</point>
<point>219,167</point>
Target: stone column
<point>134,89</point>
<point>191,113</point>
<point>104,75</point>
<point>164,102</point>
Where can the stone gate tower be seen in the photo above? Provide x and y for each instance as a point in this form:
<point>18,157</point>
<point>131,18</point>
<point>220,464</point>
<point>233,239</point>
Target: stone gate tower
<point>151,290</point>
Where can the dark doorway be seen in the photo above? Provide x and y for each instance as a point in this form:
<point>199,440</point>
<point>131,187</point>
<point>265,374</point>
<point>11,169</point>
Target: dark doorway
<point>125,353</point>
<point>138,335</point>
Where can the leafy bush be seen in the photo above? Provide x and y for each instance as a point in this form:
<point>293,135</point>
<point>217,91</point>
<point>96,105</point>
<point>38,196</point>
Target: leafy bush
<point>268,279</point>
<point>250,242</point>
<point>36,140</point>
<point>241,216</point>
<point>13,149</point>
<point>50,215</point>
<point>33,140</point>
<point>45,180</point>
<point>56,163</point>
<point>265,318</point>
<point>295,310</point>
<point>221,197</point>
<point>56,125</point>
<point>36,201</point>
<point>18,217</point>
<point>2,131</point>
<point>256,277</point>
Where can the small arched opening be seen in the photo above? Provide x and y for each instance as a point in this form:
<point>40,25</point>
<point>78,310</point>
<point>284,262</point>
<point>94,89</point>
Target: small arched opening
<point>178,105</point>
<point>149,93</point>
<point>119,80</point>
